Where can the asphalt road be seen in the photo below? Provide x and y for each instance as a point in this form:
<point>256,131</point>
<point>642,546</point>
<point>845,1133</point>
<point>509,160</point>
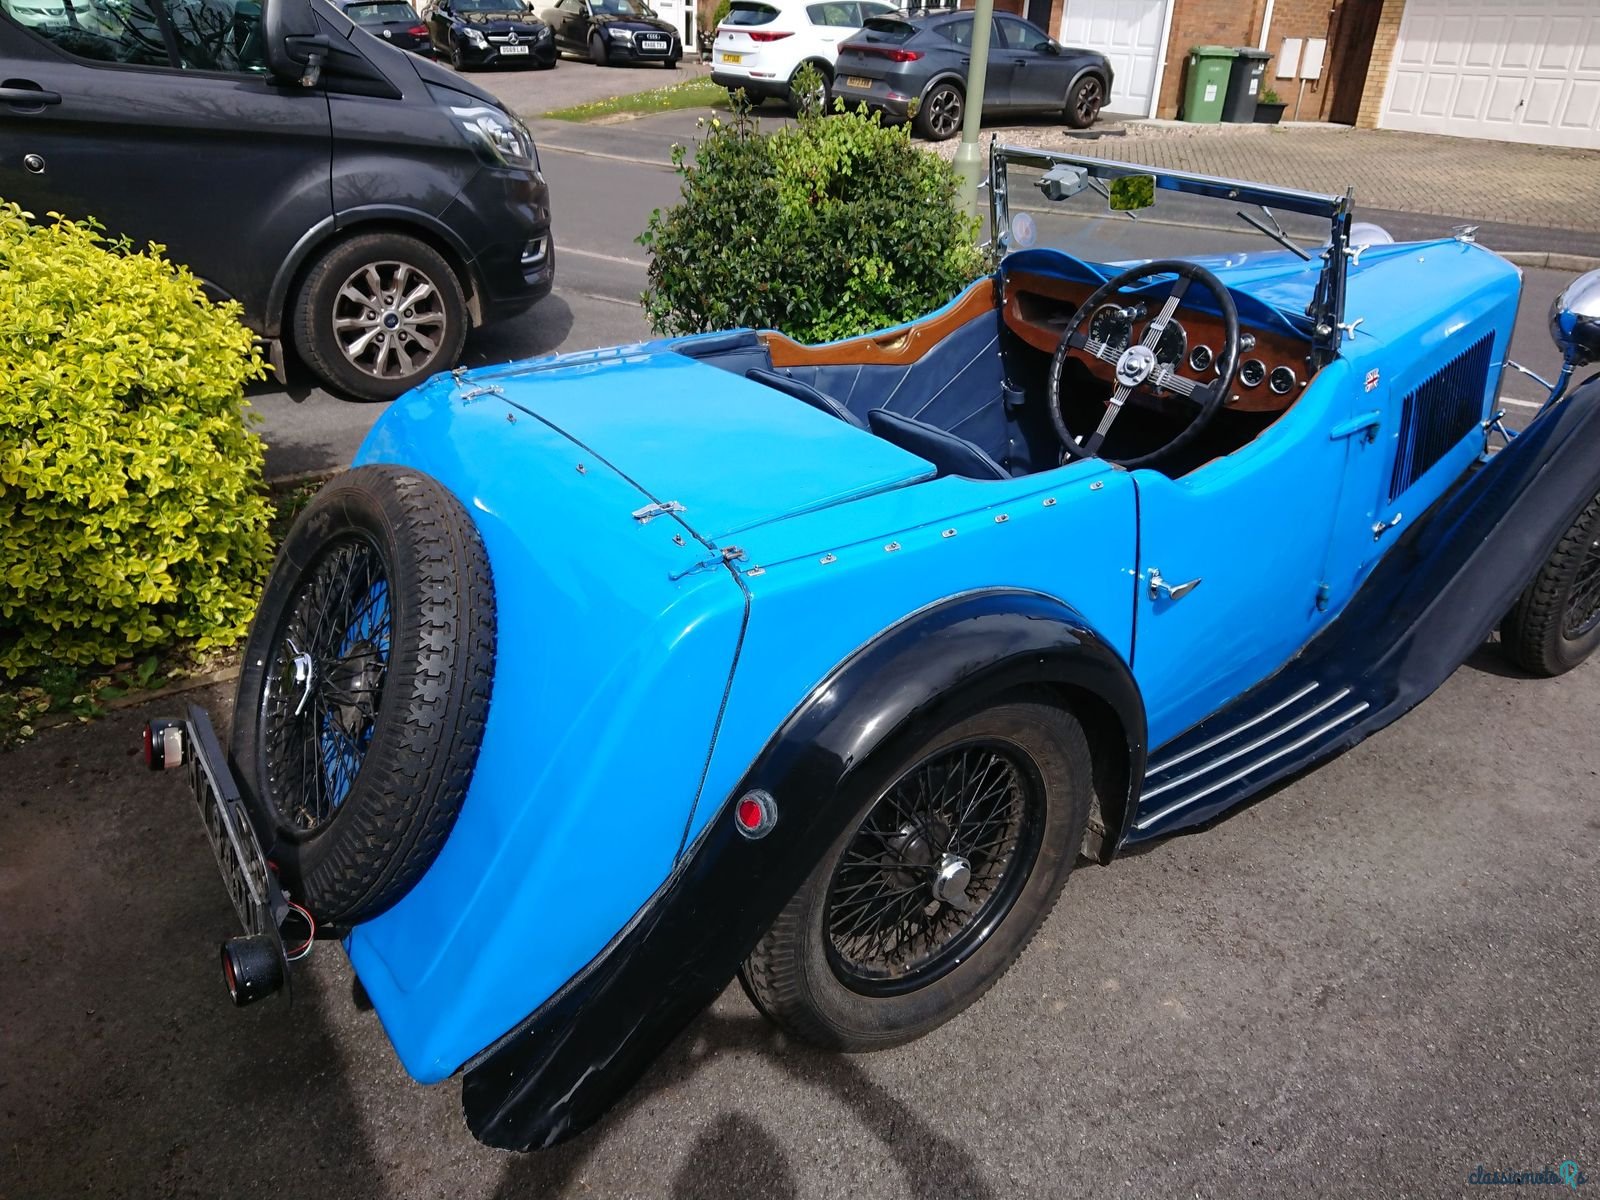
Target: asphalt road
<point>1367,983</point>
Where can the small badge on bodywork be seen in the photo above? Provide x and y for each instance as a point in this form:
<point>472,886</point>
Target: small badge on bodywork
<point>1372,379</point>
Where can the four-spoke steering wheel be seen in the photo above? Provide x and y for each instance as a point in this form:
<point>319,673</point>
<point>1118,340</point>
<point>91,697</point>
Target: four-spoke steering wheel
<point>1137,369</point>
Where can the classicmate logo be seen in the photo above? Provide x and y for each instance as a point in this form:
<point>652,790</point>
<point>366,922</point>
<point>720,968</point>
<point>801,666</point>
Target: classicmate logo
<point>1568,1174</point>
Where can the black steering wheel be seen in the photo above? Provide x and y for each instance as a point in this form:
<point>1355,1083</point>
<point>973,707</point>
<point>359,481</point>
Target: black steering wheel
<point>1136,367</point>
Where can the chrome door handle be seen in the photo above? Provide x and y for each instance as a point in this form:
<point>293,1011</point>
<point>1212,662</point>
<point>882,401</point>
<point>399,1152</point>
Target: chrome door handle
<point>1159,587</point>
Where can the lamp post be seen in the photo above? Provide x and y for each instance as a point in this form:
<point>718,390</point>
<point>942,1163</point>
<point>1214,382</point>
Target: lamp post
<point>969,165</point>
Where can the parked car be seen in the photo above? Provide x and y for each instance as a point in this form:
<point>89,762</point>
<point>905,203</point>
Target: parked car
<point>842,655</point>
<point>896,63</point>
<point>761,44</point>
<point>488,33</point>
<point>615,31</point>
<point>368,253</point>
<point>392,20</point>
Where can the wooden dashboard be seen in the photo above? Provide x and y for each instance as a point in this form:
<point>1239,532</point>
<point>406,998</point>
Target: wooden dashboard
<point>1038,307</point>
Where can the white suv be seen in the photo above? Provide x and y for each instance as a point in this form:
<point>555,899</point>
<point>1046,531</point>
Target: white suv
<point>762,43</point>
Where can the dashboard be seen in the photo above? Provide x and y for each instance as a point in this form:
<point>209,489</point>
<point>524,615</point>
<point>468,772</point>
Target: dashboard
<point>1273,368</point>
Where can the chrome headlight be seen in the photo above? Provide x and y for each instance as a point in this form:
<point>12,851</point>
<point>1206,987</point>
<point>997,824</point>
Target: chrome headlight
<point>499,138</point>
<point>476,38</point>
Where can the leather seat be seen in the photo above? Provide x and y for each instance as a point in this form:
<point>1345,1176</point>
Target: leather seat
<point>790,386</point>
<point>951,455</point>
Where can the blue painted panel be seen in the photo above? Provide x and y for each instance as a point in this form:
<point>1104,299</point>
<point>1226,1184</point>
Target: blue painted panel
<point>733,452</point>
<point>608,682</point>
<point>807,615</point>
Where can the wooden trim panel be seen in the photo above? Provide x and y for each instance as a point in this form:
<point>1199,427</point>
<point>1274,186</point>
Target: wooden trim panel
<point>900,347</point>
<point>1037,308</point>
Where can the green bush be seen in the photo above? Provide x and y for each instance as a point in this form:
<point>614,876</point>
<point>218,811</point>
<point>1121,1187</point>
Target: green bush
<point>130,487</point>
<point>831,227</point>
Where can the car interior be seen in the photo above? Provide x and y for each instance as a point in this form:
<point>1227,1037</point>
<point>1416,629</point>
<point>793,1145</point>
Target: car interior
<point>967,388</point>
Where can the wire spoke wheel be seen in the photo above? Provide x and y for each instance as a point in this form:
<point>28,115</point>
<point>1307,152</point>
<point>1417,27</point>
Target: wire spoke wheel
<point>324,684</point>
<point>1583,605</point>
<point>935,866</point>
<point>389,320</point>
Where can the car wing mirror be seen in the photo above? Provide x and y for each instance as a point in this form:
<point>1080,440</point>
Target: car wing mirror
<point>1048,48</point>
<point>292,41</point>
<point>1131,193</point>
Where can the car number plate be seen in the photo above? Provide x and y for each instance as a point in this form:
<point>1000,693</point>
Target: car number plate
<point>513,49</point>
<point>856,81</point>
<point>653,44</point>
<point>732,58</point>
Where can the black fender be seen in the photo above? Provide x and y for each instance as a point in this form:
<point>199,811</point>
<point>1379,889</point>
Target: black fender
<point>954,77</point>
<point>560,1070</point>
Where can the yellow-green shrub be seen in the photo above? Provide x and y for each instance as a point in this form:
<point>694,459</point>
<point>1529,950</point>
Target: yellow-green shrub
<point>131,509</point>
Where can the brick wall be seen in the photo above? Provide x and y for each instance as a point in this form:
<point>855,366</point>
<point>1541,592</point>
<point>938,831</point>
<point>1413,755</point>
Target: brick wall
<point>1238,23</point>
<point>1382,59</point>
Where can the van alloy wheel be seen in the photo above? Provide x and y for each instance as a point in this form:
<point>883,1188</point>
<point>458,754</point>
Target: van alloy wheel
<point>389,320</point>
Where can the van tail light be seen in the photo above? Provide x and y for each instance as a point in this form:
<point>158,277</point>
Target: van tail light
<point>892,53</point>
<point>769,37</point>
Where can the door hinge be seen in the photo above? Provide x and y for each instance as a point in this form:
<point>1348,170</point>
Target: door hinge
<point>1383,527</point>
<point>1367,422</point>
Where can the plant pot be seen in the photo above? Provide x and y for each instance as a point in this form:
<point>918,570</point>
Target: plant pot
<point>1269,114</point>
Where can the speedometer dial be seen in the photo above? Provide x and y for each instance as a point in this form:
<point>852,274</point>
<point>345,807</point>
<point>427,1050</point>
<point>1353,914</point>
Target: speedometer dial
<point>1111,324</point>
<point>1172,345</point>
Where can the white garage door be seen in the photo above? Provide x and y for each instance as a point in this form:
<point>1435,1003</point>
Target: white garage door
<point>1512,70</point>
<point>1128,32</point>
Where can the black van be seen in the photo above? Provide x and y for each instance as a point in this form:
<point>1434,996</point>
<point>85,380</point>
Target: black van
<point>364,205</point>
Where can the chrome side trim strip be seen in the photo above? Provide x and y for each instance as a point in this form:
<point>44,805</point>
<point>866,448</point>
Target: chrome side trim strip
<point>1210,765</point>
<point>1159,767</point>
<point>1250,768</point>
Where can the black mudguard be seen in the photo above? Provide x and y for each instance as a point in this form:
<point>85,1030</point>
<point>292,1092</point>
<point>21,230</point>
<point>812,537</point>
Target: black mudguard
<point>571,1060</point>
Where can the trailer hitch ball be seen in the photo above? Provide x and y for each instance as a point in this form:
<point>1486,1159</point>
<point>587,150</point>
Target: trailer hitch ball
<point>252,968</point>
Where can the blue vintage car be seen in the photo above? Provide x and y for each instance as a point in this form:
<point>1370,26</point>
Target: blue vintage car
<point>605,678</point>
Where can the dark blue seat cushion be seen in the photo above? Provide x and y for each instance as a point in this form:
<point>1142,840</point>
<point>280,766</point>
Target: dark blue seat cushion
<point>801,390</point>
<point>950,454</point>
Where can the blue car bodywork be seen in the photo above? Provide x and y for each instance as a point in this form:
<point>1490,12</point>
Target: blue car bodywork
<point>708,584</point>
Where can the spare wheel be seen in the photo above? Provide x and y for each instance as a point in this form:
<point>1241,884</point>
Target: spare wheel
<point>365,688</point>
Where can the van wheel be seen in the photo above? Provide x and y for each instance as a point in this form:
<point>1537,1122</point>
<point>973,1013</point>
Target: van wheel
<point>1555,624</point>
<point>939,116</point>
<point>378,314</point>
<point>365,688</point>
<point>937,887</point>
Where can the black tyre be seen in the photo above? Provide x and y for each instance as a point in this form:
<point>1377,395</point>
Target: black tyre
<point>939,116</point>
<point>365,688</point>
<point>597,51</point>
<point>820,96</point>
<point>1084,102</point>
<point>378,314</point>
<point>933,893</point>
<point>1555,623</point>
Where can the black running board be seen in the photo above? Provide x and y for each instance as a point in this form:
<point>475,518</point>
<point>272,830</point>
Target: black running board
<point>1425,609</point>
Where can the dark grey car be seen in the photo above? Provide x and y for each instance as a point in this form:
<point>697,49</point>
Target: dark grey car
<point>897,62</point>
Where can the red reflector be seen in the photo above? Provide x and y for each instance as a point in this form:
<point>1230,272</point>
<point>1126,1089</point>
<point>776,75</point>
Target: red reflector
<point>750,813</point>
<point>769,37</point>
<point>755,814</point>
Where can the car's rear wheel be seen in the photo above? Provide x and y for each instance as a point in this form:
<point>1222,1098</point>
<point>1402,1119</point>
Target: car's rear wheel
<point>378,314</point>
<point>365,688</point>
<point>1555,623</point>
<point>939,116</point>
<point>926,900</point>
<point>816,100</point>
<point>1084,102</point>
<point>597,51</point>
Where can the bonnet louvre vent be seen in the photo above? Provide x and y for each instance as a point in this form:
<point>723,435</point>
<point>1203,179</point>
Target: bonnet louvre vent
<point>1440,412</point>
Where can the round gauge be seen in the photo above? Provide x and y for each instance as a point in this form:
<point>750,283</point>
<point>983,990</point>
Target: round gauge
<point>1251,372</point>
<point>1281,380</point>
<point>1200,357</point>
<point>1172,344</point>
<point>1111,324</point>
